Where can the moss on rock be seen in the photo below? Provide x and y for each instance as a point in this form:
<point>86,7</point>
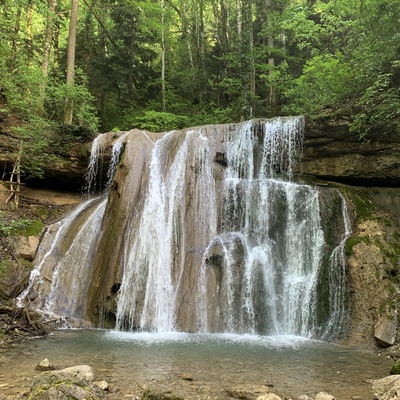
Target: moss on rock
<point>395,370</point>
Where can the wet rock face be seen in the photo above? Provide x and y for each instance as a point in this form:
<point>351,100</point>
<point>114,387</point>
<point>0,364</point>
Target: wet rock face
<point>332,152</point>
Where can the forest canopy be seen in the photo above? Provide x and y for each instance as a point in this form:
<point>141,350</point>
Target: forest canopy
<point>70,68</point>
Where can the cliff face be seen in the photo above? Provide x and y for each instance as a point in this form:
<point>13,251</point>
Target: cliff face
<point>334,153</point>
<point>331,152</point>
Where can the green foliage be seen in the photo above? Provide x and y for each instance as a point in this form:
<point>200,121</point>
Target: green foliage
<point>325,79</point>
<point>17,226</point>
<point>85,115</point>
<point>4,265</point>
<point>216,66</point>
<point>36,134</point>
<point>65,136</point>
<point>380,105</point>
<point>22,90</point>
<point>155,121</point>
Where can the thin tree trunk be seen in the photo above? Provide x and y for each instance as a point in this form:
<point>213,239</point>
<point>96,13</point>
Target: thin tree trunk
<point>271,60</point>
<point>29,50</point>
<point>15,40</point>
<point>185,34</point>
<point>163,89</point>
<point>73,23</point>
<point>48,37</point>
<point>252,66</point>
<point>56,42</point>
<point>239,19</point>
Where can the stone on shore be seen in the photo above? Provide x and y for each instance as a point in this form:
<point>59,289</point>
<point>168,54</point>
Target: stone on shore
<point>74,383</point>
<point>45,365</point>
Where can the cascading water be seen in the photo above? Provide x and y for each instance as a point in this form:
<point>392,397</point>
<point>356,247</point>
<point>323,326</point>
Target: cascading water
<point>271,242</point>
<point>63,262</point>
<point>204,230</point>
<point>154,265</point>
<point>92,173</point>
<point>58,282</point>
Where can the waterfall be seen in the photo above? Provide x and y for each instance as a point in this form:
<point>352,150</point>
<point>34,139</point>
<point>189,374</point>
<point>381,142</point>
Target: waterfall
<point>58,281</point>
<point>271,243</point>
<point>92,174</point>
<point>339,318</point>
<point>115,155</point>
<point>154,268</point>
<point>203,230</point>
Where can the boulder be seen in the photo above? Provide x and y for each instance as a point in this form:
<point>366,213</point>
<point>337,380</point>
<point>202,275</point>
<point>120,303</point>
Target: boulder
<point>74,383</point>
<point>269,396</point>
<point>153,395</point>
<point>331,151</point>
<point>384,385</point>
<point>392,394</point>
<point>324,396</point>
<point>45,365</point>
<point>67,391</point>
<point>103,385</point>
<point>14,279</point>
<point>26,247</point>
<point>386,331</point>
<point>249,392</point>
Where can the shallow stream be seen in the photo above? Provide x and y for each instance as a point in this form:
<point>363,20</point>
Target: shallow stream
<point>198,366</point>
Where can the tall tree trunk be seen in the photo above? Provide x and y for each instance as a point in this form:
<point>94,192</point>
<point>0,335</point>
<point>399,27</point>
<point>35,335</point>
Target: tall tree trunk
<point>73,24</point>
<point>245,55</point>
<point>14,45</point>
<point>163,89</point>
<point>271,60</point>
<point>184,27</point>
<point>56,41</point>
<point>48,37</point>
<point>252,65</point>
<point>29,47</point>
<point>202,50</point>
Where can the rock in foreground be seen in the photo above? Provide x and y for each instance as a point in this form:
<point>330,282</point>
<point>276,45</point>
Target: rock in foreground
<point>74,383</point>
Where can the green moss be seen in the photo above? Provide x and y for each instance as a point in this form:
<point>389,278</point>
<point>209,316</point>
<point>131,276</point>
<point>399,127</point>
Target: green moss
<point>395,370</point>
<point>352,241</point>
<point>34,228</point>
<point>365,209</point>
<point>5,266</point>
<point>42,212</point>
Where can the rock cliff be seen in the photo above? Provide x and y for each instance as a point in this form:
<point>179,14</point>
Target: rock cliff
<point>334,153</point>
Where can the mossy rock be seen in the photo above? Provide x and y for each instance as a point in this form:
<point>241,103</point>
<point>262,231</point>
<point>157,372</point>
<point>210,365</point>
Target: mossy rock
<point>395,370</point>
<point>153,395</point>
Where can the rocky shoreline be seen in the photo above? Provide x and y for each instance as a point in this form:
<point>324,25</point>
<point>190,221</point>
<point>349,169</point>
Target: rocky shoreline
<point>80,383</point>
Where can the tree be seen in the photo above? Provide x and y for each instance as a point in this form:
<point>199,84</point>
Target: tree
<point>73,26</point>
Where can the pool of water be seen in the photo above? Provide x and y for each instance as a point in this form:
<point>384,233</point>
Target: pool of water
<point>132,362</point>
